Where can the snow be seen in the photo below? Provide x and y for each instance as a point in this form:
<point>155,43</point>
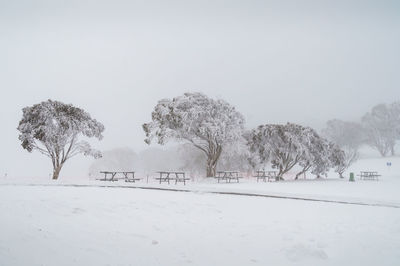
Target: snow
<point>48,222</point>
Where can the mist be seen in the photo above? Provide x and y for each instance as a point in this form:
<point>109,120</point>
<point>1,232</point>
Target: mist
<point>275,61</point>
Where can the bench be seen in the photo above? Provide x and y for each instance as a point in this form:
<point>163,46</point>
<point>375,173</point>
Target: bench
<point>228,176</point>
<point>128,176</point>
<point>369,175</point>
<point>266,175</point>
<point>167,176</point>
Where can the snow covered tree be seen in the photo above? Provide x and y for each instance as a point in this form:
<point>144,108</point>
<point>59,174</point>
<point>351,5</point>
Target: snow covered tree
<point>206,123</point>
<point>282,145</point>
<point>322,154</point>
<point>382,127</point>
<point>339,159</point>
<point>348,136</point>
<point>314,154</point>
<point>286,146</point>
<point>53,128</point>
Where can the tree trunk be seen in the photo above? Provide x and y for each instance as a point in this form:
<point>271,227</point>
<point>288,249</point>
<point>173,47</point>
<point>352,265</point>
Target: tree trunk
<point>211,170</point>
<point>212,165</point>
<point>279,178</point>
<point>212,160</point>
<point>392,150</point>
<point>297,175</point>
<point>56,172</point>
<point>305,169</point>
<point>280,174</point>
<point>383,151</point>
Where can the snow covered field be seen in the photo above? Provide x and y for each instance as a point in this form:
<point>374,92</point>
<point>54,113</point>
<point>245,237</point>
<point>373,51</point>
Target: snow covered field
<point>61,225</point>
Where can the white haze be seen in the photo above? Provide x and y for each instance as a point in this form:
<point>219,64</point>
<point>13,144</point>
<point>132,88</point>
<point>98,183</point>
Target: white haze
<point>276,61</point>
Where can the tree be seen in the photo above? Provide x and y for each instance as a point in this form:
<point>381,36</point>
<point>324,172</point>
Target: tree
<point>382,127</point>
<point>53,128</point>
<point>322,152</point>
<point>348,136</point>
<point>315,153</point>
<point>286,146</point>
<point>282,145</point>
<point>206,123</point>
<point>340,159</point>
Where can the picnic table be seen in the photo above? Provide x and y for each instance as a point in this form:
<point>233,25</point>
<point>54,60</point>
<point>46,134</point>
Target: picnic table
<point>369,175</point>
<point>228,176</point>
<point>128,176</point>
<point>167,176</point>
<point>265,175</point>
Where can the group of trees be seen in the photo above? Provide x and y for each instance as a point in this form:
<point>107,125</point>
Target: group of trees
<point>215,133</point>
<point>215,127</point>
<point>379,129</point>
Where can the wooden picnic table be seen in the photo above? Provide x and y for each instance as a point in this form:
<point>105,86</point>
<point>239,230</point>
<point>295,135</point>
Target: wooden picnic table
<point>167,176</point>
<point>128,176</point>
<point>369,175</point>
<point>228,176</point>
<point>266,175</point>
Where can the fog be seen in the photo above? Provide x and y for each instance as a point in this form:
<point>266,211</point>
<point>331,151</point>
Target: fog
<point>300,61</point>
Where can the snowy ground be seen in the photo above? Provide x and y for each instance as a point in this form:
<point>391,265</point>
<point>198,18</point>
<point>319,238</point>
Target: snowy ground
<point>60,225</point>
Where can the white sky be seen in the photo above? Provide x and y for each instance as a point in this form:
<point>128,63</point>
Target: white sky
<point>276,61</point>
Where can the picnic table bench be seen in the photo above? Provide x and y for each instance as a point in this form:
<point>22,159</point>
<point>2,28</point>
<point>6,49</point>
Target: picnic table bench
<point>265,175</point>
<point>369,175</point>
<point>167,176</point>
<point>228,176</point>
<point>128,176</point>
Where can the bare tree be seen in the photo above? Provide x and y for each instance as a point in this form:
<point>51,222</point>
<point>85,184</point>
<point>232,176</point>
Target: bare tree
<point>382,127</point>
<point>53,128</point>
<point>348,136</point>
<point>206,123</point>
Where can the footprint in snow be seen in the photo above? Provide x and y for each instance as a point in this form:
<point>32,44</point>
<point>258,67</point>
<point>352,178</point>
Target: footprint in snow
<point>78,211</point>
<point>301,252</point>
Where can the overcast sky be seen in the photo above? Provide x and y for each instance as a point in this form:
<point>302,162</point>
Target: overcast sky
<point>276,61</point>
